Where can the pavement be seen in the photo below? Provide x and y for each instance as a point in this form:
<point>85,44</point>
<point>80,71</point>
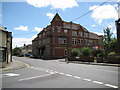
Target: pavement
<point>14,65</point>
<point>90,63</point>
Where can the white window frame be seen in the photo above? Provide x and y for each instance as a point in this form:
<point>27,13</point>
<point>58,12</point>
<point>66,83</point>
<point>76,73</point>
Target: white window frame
<point>65,52</point>
<point>65,31</point>
<point>62,40</point>
<point>59,29</point>
<point>81,34</point>
<point>74,33</point>
<point>74,41</point>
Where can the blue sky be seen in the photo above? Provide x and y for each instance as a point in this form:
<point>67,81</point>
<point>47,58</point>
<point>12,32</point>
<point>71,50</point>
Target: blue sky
<point>26,19</point>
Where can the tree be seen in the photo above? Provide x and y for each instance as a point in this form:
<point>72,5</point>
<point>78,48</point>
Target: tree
<point>113,45</point>
<point>16,51</point>
<point>107,40</point>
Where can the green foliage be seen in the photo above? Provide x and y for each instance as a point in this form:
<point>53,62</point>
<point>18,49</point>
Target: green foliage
<point>109,43</point>
<point>112,54</point>
<point>98,53</point>
<point>86,51</point>
<point>16,51</point>
<point>102,53</point>
<point>75,52</point>
<point>113,45</point>
<point>107,35</point>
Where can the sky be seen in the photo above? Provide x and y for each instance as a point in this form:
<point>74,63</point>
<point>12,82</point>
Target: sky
<point>27,18</point>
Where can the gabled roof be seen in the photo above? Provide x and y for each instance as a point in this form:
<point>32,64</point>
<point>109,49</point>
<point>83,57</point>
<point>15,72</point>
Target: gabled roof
<point>56,18</point>
<point>93,36</point>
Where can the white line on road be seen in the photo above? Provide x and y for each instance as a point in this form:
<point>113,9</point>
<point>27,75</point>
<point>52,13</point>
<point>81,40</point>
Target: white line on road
<point>34,77</point>
<point>98,82</point>
<point>86,79</point>
<point>61,73</point>
<point>55,71</point>
<point>31,67</point>
<point>113,86</point>
<point>77,77</point>
<point>68,75</point>
<point>52,72</point>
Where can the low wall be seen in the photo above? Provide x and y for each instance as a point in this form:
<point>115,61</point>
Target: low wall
<point>111,60</point>
<point>82,58</point>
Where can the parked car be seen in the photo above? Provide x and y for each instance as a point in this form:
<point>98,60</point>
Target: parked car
<point>31,56</point>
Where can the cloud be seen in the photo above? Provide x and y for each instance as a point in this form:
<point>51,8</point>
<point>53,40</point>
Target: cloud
<point>50,15</point>
<point>93,26</point>
<point>19,42</point>
<point>104,12</point>
<point>98,33</point>
<point>22,28</point>
<point>38,29</point>
<point>55,4</point>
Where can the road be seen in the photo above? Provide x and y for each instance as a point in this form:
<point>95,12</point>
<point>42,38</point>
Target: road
<point>54,74</point>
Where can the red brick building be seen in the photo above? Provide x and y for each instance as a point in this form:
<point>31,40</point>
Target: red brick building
<point>58,38</point>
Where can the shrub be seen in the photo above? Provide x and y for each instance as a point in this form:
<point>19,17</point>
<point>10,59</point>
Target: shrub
<point>112,54</point>
<point>86,51</point>
<point>98,53</point>
<point>75,52</point>
<point>95,53</point>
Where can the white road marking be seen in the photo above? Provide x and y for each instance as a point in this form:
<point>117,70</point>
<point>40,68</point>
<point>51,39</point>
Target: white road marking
<point>34,77</point>
<point>86,79</point>
<point>68,75</point>
<point>52,72</point>
<point>98,82</point>
<point>11,74</point>
<point>55,71</point>
<point>77,77</point>
<point>31,67</point>
<point>61,73</point>
<point>34,67</point>
<point>113,86</point>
